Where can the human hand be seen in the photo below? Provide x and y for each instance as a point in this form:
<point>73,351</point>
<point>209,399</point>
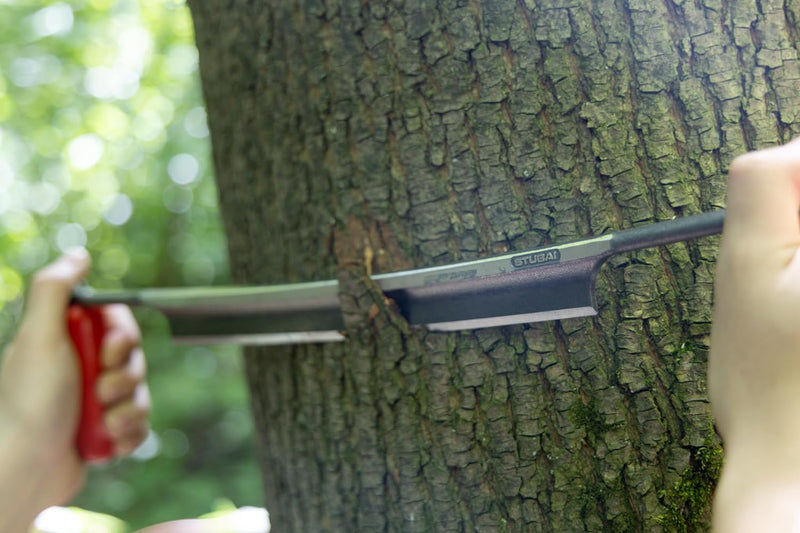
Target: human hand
<point>40,393</point>
<point>754,364</point>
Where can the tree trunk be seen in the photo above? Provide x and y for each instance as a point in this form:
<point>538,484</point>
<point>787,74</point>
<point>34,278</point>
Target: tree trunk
<point>356,136</point>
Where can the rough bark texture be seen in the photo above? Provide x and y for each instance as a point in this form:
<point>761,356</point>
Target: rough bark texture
<point>356,135</point>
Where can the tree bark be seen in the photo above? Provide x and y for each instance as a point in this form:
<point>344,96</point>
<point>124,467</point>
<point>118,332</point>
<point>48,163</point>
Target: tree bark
<point>367,136</point>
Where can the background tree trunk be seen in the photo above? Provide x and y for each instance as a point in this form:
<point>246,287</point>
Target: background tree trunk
<point>352,135</point>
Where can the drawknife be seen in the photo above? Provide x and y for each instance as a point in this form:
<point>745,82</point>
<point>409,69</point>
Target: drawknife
<point>548,283</point>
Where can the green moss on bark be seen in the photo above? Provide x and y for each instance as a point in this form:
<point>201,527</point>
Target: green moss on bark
<point>688,502</point>
<point>585,414</point>
<point>464,129</point>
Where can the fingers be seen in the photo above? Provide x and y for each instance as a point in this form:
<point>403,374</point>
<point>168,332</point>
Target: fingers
<point>122,335</point>
<point>764,198</point>
<point>126,422</point>
<point>117,384</point>
<point>121,387</point>
<point>124,365</point>
<point>51,288</point>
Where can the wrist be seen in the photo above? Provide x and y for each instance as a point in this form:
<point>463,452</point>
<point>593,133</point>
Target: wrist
<point>752,497</point>
<point>21,497</point>
<point>33,474</point>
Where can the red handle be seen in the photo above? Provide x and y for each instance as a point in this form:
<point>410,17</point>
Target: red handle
<point>87,328</point>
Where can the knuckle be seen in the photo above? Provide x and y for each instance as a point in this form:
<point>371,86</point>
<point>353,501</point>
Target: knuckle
<point>128,442</point>
<point>125,341</point>
<point>122,315</point>
<point>47,278</point>
<point>134,375</point>
<point>131,338</point>
<point>778,158</point>
<point>744,164</point>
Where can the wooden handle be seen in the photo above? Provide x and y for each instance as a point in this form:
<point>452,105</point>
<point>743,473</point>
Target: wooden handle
<point>87,328</point>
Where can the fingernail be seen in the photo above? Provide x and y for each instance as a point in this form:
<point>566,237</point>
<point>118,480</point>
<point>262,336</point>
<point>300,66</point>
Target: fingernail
<point>77,253</point>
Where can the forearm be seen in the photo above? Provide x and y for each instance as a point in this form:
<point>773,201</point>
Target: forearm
<point>25,489</point>
<point>758,492</point>
<point>765,508</point>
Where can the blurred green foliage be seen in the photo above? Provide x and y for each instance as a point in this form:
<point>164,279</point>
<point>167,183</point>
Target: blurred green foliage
<point>104,143</point>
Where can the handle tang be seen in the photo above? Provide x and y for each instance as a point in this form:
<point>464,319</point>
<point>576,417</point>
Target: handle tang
<point>85,295</point>
<point>668,232</point>
<point>87,328</point>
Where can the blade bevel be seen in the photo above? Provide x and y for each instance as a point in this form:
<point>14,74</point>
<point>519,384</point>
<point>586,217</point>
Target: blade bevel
<point>265,339</point>
<point>493,299</point>
<point>510,320</point>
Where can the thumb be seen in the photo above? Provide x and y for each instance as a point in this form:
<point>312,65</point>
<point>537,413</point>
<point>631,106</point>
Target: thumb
<point>51,288</point>
<point>764,198</point>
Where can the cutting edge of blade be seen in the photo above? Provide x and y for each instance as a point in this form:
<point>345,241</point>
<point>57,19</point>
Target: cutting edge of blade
<point>509,320</point>
<point>264,339</point>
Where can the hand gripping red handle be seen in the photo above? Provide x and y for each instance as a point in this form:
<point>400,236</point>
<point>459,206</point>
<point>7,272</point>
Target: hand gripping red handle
<point>87,328</point>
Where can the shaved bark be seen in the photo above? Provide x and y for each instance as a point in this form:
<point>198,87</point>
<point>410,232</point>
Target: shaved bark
<point>368,136</point>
